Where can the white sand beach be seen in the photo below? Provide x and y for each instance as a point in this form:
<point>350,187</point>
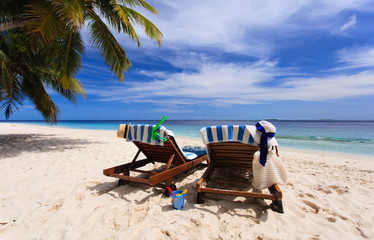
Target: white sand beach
<point>52,187</point>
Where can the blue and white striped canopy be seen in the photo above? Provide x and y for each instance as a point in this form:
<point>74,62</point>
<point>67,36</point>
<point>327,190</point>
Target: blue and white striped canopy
<point>228,133</point>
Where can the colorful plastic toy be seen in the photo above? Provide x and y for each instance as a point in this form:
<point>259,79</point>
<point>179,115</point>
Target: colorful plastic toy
<point>178,199</point>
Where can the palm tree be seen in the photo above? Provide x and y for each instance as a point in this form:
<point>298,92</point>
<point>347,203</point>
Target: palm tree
<point>26,72</point>
<point>50,46</point>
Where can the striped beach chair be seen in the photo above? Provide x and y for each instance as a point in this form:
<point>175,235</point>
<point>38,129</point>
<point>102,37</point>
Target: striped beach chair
<point>232,147</point>
<point>155,150</point>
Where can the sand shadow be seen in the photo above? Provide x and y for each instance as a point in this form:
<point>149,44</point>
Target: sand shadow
<point>257,209</point>
<point>116,191</point>
<point>12,145</point>
<point>120,192</point>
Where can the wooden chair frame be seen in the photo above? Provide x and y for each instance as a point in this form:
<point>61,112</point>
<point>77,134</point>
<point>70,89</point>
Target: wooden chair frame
<point>169,154</point>
<point>234,155</point>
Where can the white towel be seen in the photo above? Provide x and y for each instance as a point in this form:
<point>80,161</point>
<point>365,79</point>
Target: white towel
<point>273,172</point>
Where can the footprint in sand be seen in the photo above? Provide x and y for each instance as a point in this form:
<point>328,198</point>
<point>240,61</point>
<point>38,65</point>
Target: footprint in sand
<point>301,195</point>
<point>340,190</point>
<point>56,206</point>
<point>314,207</point>
<point>324,189</point>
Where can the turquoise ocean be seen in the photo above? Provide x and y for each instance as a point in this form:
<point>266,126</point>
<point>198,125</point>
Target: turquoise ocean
<point>328,135</point>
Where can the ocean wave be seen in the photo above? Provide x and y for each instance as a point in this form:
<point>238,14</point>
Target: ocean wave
<point>327,139</point>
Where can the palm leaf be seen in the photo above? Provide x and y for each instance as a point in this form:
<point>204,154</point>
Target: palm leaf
<point>124,22</point>
<point>128,14</point>
<point>71,11</point>
<point>3,56</point>
<point>11,96</point>
<point>11,8</point>
<point>68,51</point>
<point>51,79</point>
<point>138,3</point>
<point>30,72</point>
<point>102,38</point>
<point>42,18</point>
<point>35,91</point>
<point>105,9</point>
<point>76,87</point>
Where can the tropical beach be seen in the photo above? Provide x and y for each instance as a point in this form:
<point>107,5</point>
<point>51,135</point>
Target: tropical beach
<point>274,97</point>
<point>53,187</point>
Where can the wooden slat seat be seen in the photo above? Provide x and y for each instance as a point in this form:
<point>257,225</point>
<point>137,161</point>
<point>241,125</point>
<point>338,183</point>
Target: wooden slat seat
<point>237,156</point>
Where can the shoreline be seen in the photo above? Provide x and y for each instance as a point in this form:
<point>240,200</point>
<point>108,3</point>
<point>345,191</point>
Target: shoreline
<point>53,187</point>
<point>348,155</point>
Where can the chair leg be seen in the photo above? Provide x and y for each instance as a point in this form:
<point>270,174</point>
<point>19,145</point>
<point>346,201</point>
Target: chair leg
<point>122,182</point>
<point>277,204</point>
<point>126,172</point>
<point>200,197</point>
<point>172,187</point>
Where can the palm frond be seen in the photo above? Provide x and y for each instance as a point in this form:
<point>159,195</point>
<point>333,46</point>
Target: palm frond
<point>36,93</point>
<point>71,11</point>
<point>125,22</point>
<point>51,79</point>
<point>105,9</point>
<point>3,56</point>
<point>42,18</point>
<point>138,3</point>
<point>11,8</point>
<point>76,87</point>
<point>11,96</point>
<point>71,93</point>
<point>150,29</point>
<point>68,51</point>
<point>102,38</point>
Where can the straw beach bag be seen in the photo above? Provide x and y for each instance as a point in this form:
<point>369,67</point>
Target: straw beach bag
<point>273,171</point>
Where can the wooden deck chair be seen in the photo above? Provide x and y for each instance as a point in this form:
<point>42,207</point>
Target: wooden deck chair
<point>155,150</point>
<point>232,147</point>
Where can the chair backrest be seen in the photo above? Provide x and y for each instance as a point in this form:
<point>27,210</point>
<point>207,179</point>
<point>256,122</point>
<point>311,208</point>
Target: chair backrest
<point>230,146</point>
<point>154,148</point>
<point>162,154</point>
<point>233,155</point>
<point>143,133</point>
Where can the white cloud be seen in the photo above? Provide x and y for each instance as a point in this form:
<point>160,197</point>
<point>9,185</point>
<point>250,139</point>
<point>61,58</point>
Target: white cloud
<point>359,57</point>
<point>352,20</point>
<point>217,84</point>
<point>194,29</point>
<point>158,74</point>
<point>247,27</point>
<point>327,87</point>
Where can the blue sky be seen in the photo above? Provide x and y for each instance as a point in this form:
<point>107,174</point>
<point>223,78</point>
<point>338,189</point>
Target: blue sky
<point>245,59</point>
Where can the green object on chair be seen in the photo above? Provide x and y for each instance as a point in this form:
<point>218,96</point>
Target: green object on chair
<point>157,135</point>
